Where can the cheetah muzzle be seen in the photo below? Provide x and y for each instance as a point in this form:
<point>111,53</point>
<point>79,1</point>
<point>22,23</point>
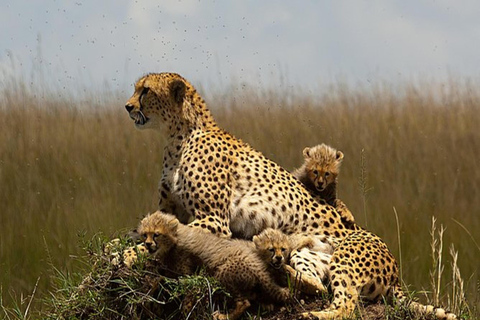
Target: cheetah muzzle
<point>137,115</point>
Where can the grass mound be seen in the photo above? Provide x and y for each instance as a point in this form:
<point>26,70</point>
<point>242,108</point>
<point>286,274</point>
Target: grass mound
<point>107,289</point>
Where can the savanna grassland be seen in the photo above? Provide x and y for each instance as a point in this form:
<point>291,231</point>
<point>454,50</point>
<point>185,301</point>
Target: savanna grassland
<point>75,164</point>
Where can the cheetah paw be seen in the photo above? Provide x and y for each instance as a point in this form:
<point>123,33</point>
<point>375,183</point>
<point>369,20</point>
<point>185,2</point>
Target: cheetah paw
<point>130,255</point>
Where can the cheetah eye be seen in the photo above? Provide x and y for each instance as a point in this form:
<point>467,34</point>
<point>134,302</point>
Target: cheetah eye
<point>315,172</point>
<point>144,92</point>
<point>271,250</point>
<point>327,174</point>
<point>283,249</point>
<point>143,235</point>
<point>156,234</point>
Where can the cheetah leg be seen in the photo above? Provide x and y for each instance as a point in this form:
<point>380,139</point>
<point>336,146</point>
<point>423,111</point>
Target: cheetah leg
<point>214,222</point>
<point>219,228</point>
<point>131,255</point>
<point>240,306</point>
<point>304,282</point>
<point>343,305</point>
<point>273,290</point>
<point>344,212</point>
<point>308,268</point>
<point>439,313</point>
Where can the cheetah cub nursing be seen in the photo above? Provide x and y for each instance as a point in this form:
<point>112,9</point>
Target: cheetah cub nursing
<point>319,174</point>
<point>234,263</point>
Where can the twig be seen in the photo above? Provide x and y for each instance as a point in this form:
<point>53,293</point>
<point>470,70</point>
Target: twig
<point>31,299</point>
<point>399,245</point>
<point>468,232</point>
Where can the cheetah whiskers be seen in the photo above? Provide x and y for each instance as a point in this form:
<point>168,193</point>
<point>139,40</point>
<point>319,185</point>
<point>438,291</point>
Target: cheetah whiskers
<point>140,117</point>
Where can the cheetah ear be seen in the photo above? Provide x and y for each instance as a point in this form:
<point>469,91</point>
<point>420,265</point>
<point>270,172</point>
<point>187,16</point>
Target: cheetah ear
<point>339,156</point>
<point>306,153</point>
<point>135,235</point>
<point>173,224</point>
<point>178,89</point>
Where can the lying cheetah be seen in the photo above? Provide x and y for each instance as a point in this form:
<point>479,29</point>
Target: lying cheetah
<point>228,188</point>
<point>234,263</point>
<point>160,240</point>
<point>274,247</point>
<point>319,175</point>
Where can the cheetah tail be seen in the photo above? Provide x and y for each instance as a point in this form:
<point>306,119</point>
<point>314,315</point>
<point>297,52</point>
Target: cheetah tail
<point>439,313</point>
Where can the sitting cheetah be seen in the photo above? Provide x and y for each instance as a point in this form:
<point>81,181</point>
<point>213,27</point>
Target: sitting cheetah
<point>234,263</point>
<point>319,175</point>
<point>228,187</point>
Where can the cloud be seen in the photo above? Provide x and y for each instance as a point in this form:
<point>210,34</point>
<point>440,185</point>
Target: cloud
<point>254,41</point>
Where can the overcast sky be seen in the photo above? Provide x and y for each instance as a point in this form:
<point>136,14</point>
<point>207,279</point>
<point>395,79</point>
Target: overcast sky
<point>261,42</point>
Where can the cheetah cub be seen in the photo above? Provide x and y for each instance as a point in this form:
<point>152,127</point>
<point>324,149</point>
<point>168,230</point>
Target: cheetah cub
<point>274,247</point>
<point>159,237</point>
<point>319,175</point>
<point>234,263</point>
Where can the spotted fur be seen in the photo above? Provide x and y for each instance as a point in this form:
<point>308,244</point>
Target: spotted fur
<point>319,174</point>
<point>234,263</point>
<point>275,248</point>
<point>227,187</point>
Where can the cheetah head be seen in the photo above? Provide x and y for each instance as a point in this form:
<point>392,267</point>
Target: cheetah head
<point>159,233</point>
<point>157,100</point>
<point>273,247</point>
<point>323,165</point>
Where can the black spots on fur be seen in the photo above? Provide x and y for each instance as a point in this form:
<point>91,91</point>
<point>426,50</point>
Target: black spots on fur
<point>212,229</point>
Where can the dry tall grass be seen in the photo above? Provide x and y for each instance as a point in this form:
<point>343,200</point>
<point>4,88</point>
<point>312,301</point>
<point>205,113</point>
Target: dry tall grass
<point>76,164</point>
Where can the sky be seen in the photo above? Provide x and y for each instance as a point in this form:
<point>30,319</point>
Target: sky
<point>263,43</point>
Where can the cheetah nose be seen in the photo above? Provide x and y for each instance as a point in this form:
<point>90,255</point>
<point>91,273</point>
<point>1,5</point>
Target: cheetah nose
<point>279,258</point>
<point>129,107</point>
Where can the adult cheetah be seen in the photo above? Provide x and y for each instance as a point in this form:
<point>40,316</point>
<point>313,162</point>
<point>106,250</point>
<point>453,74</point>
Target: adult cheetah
<point>230,188</point>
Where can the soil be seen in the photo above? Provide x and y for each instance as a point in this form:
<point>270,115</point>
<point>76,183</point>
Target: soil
<point>305,304</point>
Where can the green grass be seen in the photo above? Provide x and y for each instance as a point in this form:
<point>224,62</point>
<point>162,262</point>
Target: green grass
<point>73,164</point>
<point>104,290</point>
